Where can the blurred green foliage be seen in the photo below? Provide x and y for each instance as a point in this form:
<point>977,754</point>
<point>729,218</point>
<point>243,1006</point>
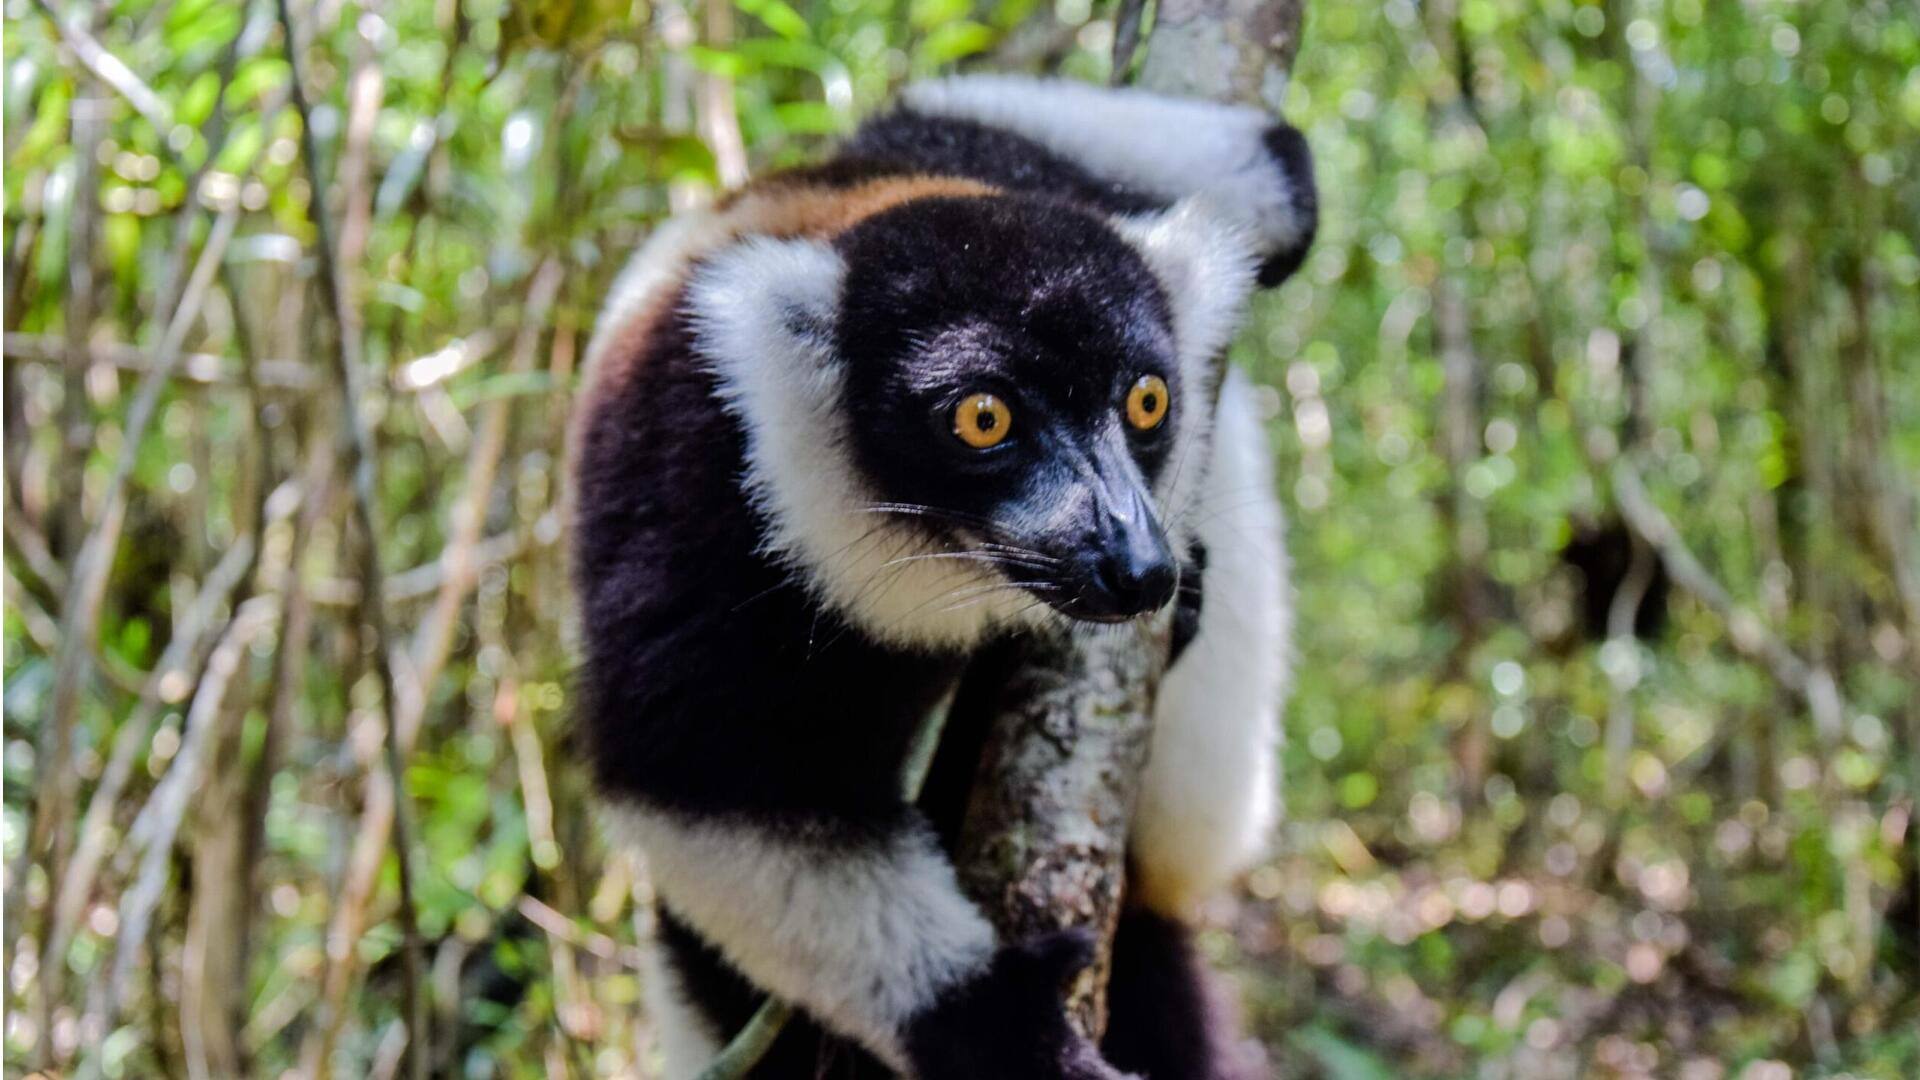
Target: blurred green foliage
<point>1557,236</point>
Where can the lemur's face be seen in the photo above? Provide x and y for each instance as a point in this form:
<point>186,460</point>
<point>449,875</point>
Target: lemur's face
<point>1017,396</point>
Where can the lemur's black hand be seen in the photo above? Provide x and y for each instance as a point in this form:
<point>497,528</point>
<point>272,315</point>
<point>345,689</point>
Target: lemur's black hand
<point>1292,157</point>
<point>1186,604</point>
<point>1007,1023</point>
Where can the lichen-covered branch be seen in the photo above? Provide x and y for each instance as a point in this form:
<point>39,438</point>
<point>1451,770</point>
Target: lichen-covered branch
<point>1224,50</point>
<point>1045,841</point>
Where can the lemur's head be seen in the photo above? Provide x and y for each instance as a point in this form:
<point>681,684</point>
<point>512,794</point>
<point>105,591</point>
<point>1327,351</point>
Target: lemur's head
<point>965,410</point>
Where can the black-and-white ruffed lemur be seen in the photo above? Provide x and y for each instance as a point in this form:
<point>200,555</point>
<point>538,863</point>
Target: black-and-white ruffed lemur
<point>862,422</point>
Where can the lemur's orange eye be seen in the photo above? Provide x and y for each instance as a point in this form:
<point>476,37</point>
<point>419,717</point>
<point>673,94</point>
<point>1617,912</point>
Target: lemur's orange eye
<point>1147,403</point>
<point>981,420</point>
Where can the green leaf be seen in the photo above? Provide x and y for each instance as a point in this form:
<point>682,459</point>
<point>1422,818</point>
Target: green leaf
<point>928,14</point>
<point>955,40</point>
<point>1342,1060</point>
<point>778,17</point>
<point>810,118</point>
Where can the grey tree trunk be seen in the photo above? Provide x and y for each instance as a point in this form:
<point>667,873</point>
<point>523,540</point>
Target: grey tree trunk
<point>1044,847</point>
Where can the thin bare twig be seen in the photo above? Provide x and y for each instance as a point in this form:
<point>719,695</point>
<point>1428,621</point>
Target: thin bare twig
<point>33,549</point>
<point>153,832</point>
<point>1126,38</point>
<point>426,579</point>
<point>169,683</point>
<point>349,373</point>
<point>1750,636</point>
<point>432,641</point>
<point>559,926</point>
<point>53,802</point>
<point>289,664</point>
<point>718,114</point>
<point>1622,663</point>
<point>40,625</point>
<point>110,70</point>
<point>203,369</point>
<point>46,634</point>
<point>458,564</point>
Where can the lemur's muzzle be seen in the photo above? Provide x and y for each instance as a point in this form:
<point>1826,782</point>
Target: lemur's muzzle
<point>1116,563</point>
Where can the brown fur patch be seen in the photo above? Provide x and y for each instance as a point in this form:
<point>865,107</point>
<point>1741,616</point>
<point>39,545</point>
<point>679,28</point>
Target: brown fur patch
<point>824,212</point>
<point>781,206</point>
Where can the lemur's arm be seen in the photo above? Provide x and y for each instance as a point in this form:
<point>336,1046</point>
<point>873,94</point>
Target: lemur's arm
<point>757,765</point>
<point>1143,144</point>
<point>862,925</point>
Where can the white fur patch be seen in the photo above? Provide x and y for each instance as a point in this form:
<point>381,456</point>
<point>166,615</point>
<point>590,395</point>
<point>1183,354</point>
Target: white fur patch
<point>1210,797</point>
<point>687,1042</point>
<point>764,313</point>
<point>1166,147</point>
<point>862,940</point>
<point>1205,265</point>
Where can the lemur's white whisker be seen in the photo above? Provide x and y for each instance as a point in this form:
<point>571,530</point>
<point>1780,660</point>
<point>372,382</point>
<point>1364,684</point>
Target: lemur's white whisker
<point>1014,549</point>
<point>845,552</point>
<point>988,594</point>
<point>923,510</point>
<point>988,557</point>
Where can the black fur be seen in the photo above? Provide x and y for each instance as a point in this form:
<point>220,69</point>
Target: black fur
<point>1295,158</point>
<point>988,1028</point>
<point>1186,612</point>
<point>1165,1020</point>
<point>946,146</point>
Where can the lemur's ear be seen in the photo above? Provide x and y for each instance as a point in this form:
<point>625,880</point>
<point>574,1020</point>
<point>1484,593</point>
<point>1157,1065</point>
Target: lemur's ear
<point>1290,232</point>
<point>763,299</point>
<point>1205,253</point>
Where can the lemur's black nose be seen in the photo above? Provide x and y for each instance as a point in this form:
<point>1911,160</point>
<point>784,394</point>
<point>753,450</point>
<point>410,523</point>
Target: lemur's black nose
<point>1132,581</point>
<point>1128,566</point>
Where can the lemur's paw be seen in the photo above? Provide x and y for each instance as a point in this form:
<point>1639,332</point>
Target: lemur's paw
<point>1007,1023</point>
<point>1186,609</point>
<point>1292,233</point>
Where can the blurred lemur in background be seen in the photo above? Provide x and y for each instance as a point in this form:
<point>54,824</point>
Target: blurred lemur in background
<point>857,425</point>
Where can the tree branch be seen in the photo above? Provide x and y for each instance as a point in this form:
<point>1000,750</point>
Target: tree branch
<point>111,70</point>
<point>1224,50</point>
<point>1044,845</point>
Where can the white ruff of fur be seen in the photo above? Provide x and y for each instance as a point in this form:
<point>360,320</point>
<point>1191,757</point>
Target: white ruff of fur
<point>1157,145</point>
<point>1210,796</point>
<point>861,939</point>
<point>1205,264</point>
<point>763,313</point>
